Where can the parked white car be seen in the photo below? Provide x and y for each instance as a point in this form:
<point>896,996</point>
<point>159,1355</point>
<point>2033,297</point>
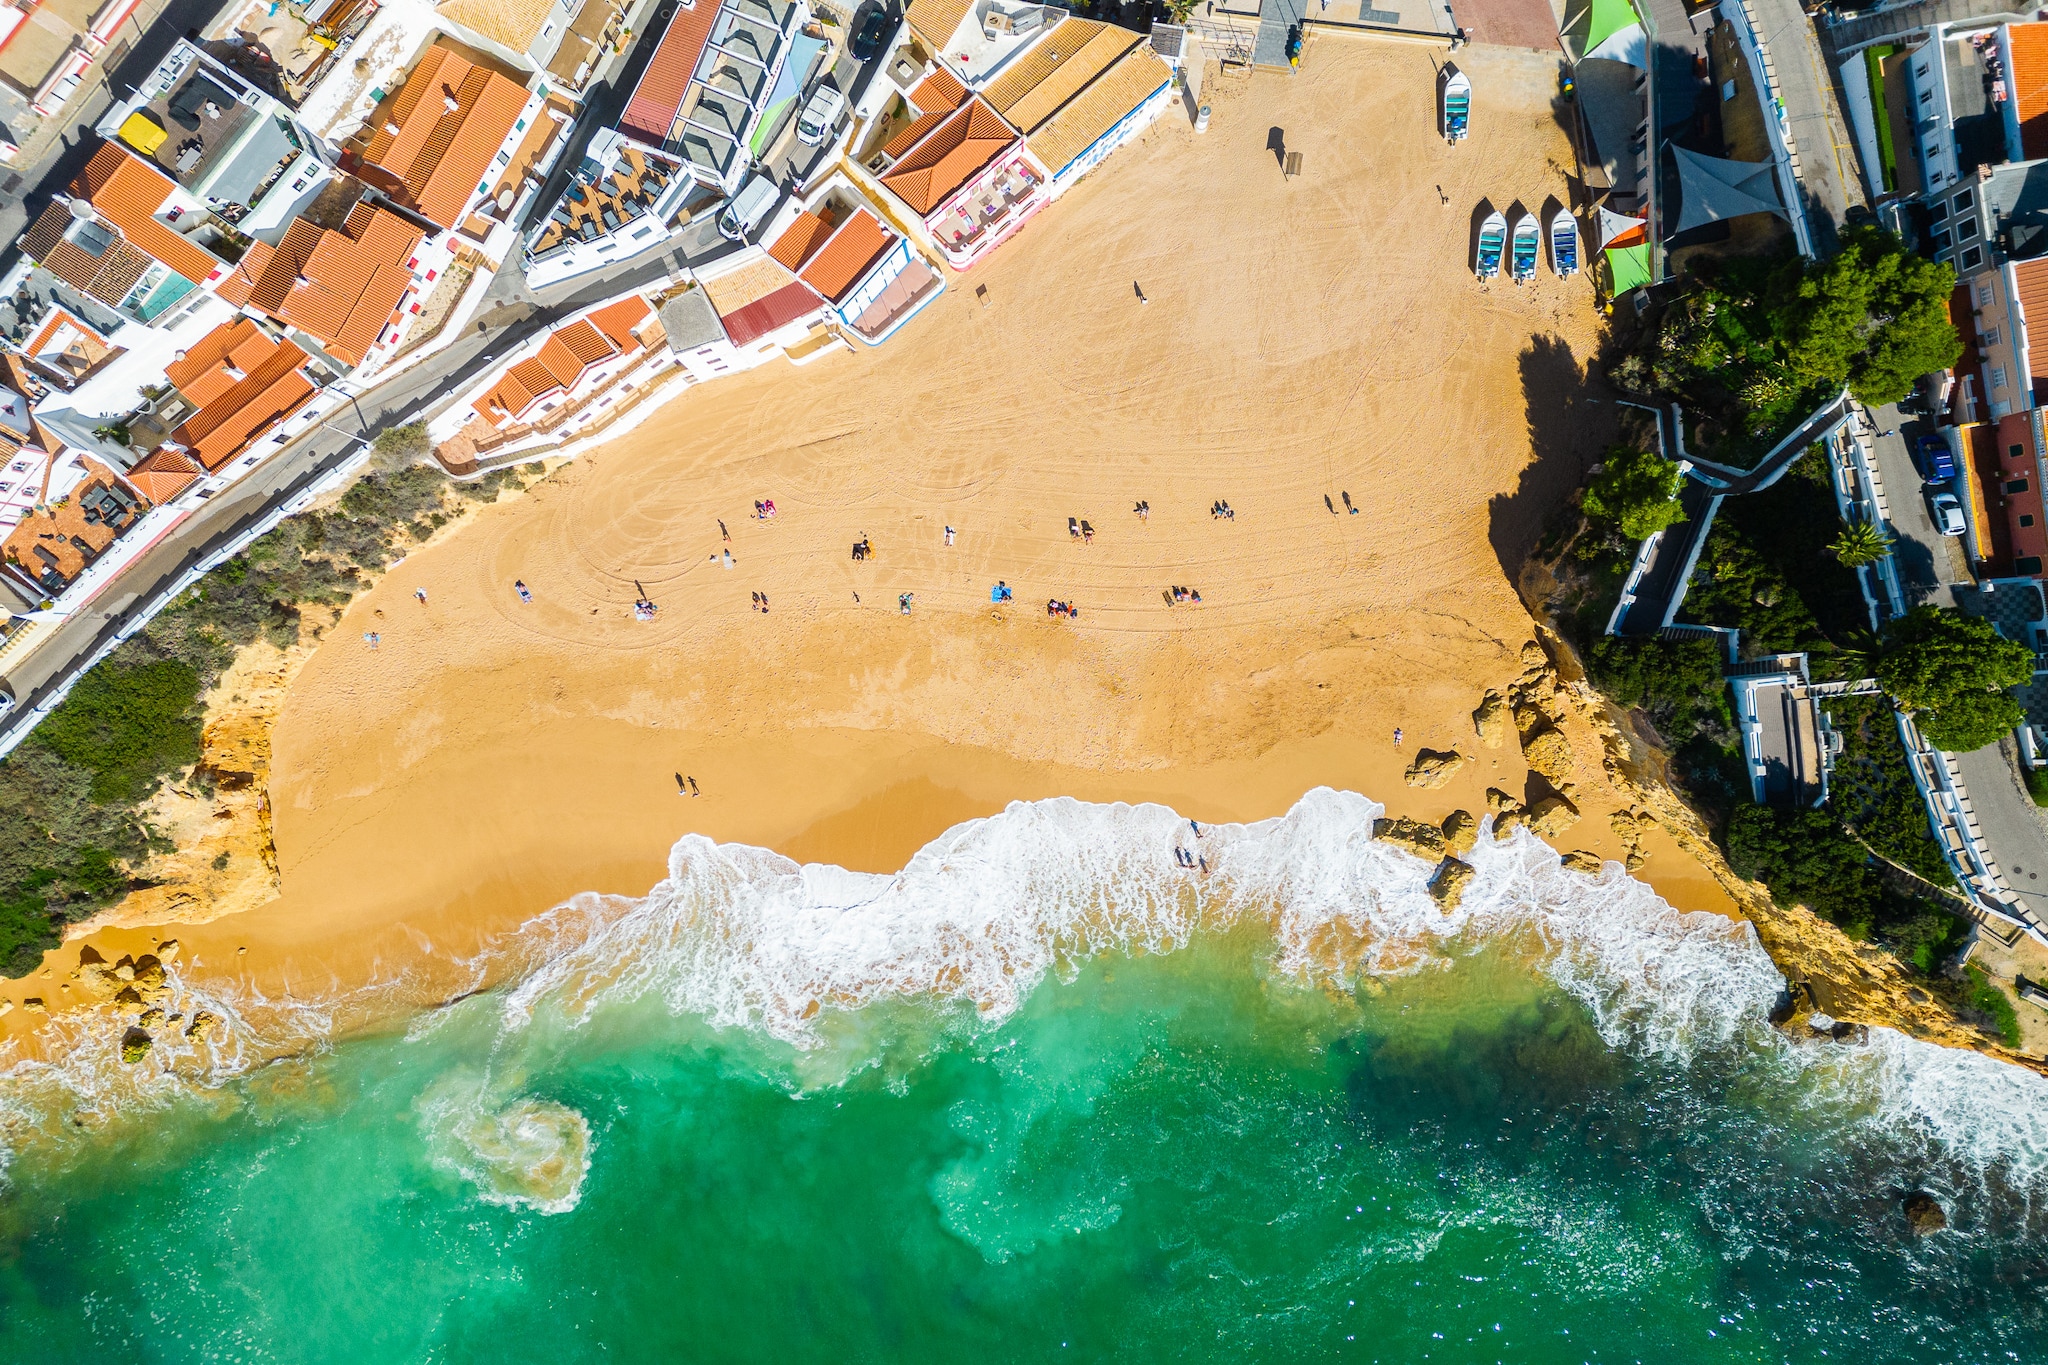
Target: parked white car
<point>1947,513</point>
<point>821,111</point>
<point>744,214</point>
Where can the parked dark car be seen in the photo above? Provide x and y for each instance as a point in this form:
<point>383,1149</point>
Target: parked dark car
<point>1937,463</point>
<point>873,32</point>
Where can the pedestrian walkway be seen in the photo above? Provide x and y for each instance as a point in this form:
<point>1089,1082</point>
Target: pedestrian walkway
<point>1277,18</point>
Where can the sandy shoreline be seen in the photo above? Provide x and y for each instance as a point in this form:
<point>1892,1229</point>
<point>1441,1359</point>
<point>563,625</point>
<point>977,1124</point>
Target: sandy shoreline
<point>1303,339</point>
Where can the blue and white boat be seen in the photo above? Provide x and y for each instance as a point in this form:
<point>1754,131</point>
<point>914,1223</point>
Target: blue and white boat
<point>1564,243</point>
<point>1493,239</point>
<point>1528,244</point>
<point>1457,111</point>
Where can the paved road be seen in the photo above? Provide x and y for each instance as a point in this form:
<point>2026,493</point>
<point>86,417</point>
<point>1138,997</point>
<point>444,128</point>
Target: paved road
<point>1827,155</point>
<point>2015,829</point>
<point>1927,560</point>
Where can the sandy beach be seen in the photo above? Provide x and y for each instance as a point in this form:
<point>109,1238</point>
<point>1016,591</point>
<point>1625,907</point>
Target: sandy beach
<point>1304,339</point>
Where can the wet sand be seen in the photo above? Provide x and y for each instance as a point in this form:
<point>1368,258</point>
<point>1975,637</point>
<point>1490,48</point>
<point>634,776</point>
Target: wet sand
<point>1304,338</point>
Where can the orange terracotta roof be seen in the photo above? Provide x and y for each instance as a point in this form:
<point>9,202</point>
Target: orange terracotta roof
<point>2029,81</point>
<point>268,394</point>
<point>1086,119</point>
<point>1058,68</point>
<point>2032,279</point>
<point>163,474</point>
<point>564,358</point>
<point>127,192</point>
<point>107,276</point>
<point>53,545</point>
<point>805,236</point>
<point>950,156</point>
<point>936,21</point>
<point>451,117</point>
<point>617,321</point>
<point>840,263</point>
<point>912,133</point>
<point>658,98</point>
<point>940,90</point>
<point>219,360</point>
<point>340,287</point>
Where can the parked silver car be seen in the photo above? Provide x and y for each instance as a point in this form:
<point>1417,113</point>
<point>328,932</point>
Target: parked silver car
<point>1947,513</point>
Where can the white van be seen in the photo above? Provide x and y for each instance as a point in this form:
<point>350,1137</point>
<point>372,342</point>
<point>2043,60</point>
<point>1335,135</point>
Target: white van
<point>820,113</point>
<point>747,208</point>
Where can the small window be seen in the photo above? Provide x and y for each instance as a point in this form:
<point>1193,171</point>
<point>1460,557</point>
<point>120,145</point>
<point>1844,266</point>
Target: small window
<point>1926,96</point>
<point>2027,566</point>
<point>1973,258</point>
<point>1964,201</point>
<point>1997,377</point>
<point>6,488</point>
<point>2015,452</point>
<point>1966,230</point>
<point>1938,211</point>
<point>2015,485</point>
<point>1984,294</point>
<point>1941,241</point>
<point>1989,336</point>
<point>2026,519</point>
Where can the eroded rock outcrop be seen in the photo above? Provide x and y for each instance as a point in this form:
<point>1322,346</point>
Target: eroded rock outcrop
<point>1434,767</point>
<point>1490,720</point>
<point>1461,833</point>
<point>1422,839</point>
<point>1447,887</point>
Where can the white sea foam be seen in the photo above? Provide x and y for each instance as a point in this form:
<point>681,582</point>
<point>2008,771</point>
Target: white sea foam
<point>746,938</point>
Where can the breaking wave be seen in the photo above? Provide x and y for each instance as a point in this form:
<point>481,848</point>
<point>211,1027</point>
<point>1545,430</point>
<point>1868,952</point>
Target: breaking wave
<point>747,939</point>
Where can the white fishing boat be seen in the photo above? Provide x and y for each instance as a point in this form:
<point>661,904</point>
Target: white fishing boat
<point>1457,110</point>
<point>1528,244</point>
<point>1493,239</point>
<point>1564,243</point>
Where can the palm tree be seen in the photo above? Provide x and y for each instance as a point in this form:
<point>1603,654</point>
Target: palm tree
<point>1860,544</point>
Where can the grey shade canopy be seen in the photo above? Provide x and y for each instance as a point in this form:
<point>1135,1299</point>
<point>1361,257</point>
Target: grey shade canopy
<point>1711,189</point>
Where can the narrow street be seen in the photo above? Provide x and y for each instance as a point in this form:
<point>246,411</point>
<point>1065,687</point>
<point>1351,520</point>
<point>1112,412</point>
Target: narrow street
<point>1827,153</point>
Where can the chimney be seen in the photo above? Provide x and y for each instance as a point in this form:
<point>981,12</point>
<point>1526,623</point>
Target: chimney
<point>448,99</point>
<point>233,371</point>
<point>393,128</point>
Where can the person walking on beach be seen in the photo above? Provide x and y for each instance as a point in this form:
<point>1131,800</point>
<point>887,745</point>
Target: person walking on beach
<point>1397,736</point>
<point>1136,289</point>
<point>724,534</point>
<point>420,593</point>
<point>949,536</point>
<point>727,556</point>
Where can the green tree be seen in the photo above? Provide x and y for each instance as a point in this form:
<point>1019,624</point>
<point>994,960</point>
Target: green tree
<point>1637,490</point>
<point>1873,317</point>
<point>1860,544</point>
<point>1805,859</point>
<point>1952,672</point>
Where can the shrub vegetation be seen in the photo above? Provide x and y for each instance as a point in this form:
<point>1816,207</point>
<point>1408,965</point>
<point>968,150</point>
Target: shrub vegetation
<point>74,789</point>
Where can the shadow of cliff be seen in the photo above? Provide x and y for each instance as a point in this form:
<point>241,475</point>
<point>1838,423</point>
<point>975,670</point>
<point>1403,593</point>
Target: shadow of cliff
<point>1571,420</point>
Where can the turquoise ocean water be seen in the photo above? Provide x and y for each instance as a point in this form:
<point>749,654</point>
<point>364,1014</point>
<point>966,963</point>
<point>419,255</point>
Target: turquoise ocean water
<point>1060,1101</point>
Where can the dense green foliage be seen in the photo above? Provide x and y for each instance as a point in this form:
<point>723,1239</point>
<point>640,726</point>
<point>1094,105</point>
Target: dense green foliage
<point>73,789</point>
<point>1953,671</point>
<point>127,725</point>
<point>1637,490</point>
<point>1863,543</point>
<point>2037,785</point>
<point>1806,858</point>
<point>1873,316</point>
<point>1872,791</point>
<point>1750,346</point>
<point>1887,155</point>
<point>1677,683</point>
<point>1995,1005</point>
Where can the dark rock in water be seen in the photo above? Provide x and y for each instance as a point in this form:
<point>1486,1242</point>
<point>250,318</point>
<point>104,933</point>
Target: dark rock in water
<point>1846,1032</point>
<point>1782,1007</point>
<point>1924,1214</point>
<point>135,1045</point>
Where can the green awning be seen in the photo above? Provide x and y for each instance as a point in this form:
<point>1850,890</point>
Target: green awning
<point>1629,266</point>
<point>1608,18</point>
